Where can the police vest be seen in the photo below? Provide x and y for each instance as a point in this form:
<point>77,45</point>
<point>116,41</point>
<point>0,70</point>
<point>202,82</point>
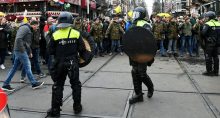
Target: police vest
<point>214,30</point>
<point>66,42</point>
<point>141,23</point>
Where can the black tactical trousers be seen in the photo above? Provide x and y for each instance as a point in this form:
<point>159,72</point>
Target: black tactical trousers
<point>58,74</point>
<point>139,75</point>
<point>211,58</point>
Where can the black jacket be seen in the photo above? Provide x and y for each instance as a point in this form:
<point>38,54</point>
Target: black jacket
<point>4,31</point>
<point>36,39</point>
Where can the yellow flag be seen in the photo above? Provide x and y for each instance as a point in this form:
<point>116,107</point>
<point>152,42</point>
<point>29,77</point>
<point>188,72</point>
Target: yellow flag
<point>118,9</point>
<point>130,13</point>
<point>25,20</point>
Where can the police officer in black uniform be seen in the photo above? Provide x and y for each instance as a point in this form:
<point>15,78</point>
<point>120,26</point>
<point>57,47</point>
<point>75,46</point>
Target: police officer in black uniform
<point>211,34</point>
<point>139,70</point>
<point>65,46</point>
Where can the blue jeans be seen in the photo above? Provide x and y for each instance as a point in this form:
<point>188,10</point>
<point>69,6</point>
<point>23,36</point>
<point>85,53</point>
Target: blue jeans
<point>116,45</point>
<point>35,59</point>
<point>99,48</point>
<point>162,49</point>
<point>172,46</point>
<point>24,59</point>
<point>195,44</point>
<point>188,40</point>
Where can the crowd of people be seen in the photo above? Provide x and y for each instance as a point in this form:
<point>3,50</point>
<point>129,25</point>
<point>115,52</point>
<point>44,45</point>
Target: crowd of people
<point>176,36</point>
<point>179,36</point>
<point>61,44</point>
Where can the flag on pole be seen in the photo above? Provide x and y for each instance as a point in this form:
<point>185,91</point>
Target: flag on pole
<point>118,9</point>
<point>25,20</point>
<point>130,13</point>
<point>61,1</point>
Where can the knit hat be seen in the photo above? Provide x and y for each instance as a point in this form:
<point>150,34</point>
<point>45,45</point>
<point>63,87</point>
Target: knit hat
<point>34,22</point>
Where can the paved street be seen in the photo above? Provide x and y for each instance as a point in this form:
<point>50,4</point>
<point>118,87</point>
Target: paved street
<point>181,91</point>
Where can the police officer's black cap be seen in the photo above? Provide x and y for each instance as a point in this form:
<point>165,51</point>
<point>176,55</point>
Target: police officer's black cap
<point>65,19</point>
<point>139,40</point>
<point>210,14</point>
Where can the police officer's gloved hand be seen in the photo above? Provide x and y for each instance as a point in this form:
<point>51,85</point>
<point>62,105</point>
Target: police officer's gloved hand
<point>151,62</point>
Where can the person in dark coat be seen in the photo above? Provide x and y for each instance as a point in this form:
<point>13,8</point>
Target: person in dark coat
<point>4,31</point>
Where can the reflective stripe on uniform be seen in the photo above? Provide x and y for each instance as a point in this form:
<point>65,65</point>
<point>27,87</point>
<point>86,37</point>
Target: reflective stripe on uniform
<point>141,23</point>
<point>213,23</point>
<point>63,34</point>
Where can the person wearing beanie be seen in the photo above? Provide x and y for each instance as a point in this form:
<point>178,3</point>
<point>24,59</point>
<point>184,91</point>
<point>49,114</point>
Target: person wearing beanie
<point>35,47</point>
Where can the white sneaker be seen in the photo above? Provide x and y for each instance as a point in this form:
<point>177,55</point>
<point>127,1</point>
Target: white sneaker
<point>9,53</point>
<point>121,53</point>
<point>2,67</point>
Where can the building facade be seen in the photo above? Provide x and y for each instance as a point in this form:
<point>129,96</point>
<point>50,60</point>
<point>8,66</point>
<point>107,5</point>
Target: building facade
<point>39,7</point>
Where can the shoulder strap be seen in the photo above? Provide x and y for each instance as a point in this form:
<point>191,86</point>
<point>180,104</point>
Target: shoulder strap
<point>69,33</point>
<point>213,23</point>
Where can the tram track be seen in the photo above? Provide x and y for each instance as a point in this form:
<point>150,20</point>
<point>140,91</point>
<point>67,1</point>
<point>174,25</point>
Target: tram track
<point>206,100</point>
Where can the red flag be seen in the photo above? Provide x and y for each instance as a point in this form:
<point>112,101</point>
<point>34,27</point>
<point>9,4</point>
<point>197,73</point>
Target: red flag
<point>61,1</point>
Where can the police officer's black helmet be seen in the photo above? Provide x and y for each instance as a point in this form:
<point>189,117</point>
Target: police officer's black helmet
<point>139,13</point>
<point>65,19</point>
<point>210,15</point>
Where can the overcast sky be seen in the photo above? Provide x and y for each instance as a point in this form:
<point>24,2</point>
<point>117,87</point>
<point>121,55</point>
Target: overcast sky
<point>149,5</point>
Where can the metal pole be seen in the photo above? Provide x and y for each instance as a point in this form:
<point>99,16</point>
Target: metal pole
<point>217,7</point>
<point>162,6</point>
<point>87,2</point>
<point>79,8</point>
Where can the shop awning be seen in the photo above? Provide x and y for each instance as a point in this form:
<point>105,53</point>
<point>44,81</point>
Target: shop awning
<point>76,2</point>
<point>38,14</point>
<point>57,13</point>
<point>16,1</point>
<point>29,14</point>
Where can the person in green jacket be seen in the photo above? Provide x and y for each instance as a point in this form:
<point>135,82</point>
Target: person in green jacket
<point>115,31</point>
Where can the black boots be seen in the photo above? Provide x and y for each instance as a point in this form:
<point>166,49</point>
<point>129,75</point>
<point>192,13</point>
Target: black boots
<point>77,108</point>
<point>136,98</point>
<point>211,73</point>
<point>150,93</point>
<point>139,75</point>
<point>208,73</point>
<point>139,98</point>
<point>53,113</point>
<point>56,112</point>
